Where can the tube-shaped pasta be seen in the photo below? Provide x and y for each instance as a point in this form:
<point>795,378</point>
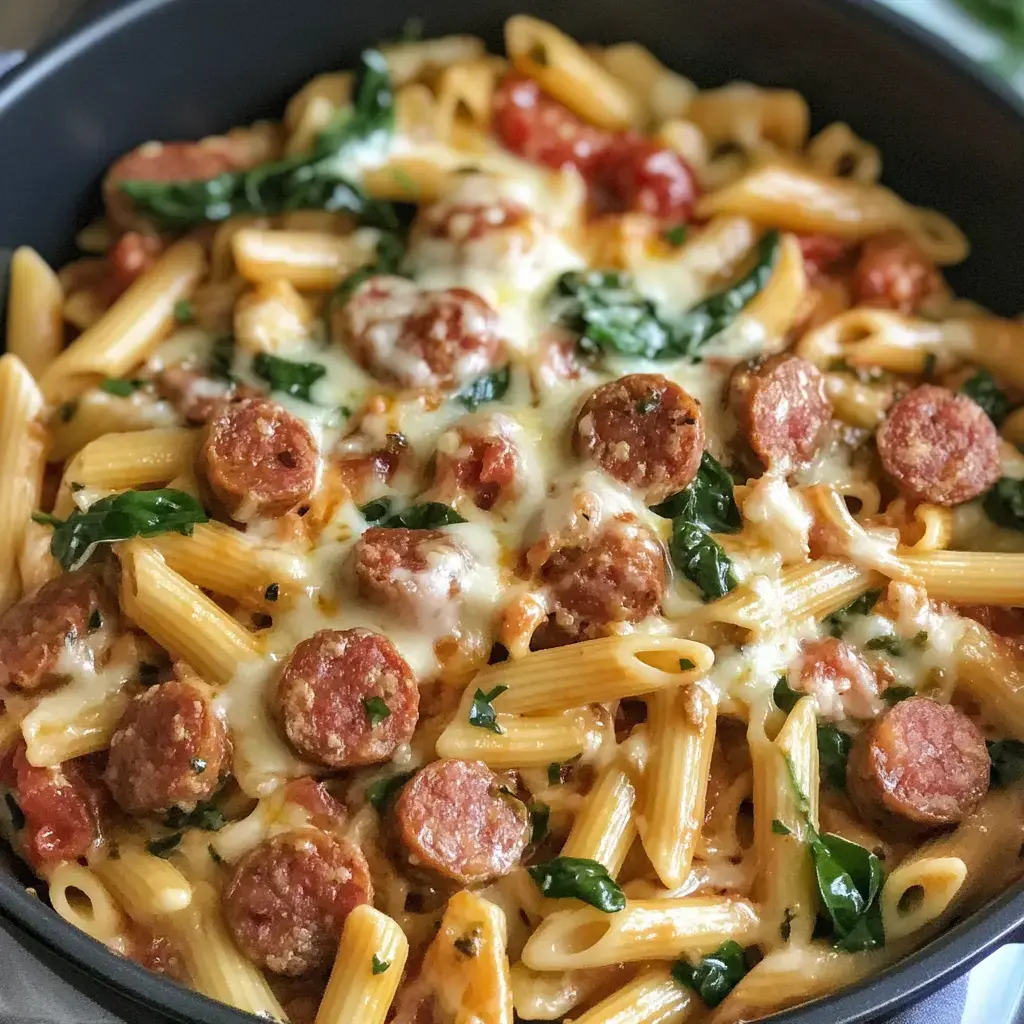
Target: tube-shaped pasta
<point>663,93</point>
<point>132,327</point>
<point>778,305</point>
<point>681,726</point>
<point>652,997</point>
<point>969,577</point>
<point>786,883</point>
<point>659,929</point>
<point>594,671</point>
<point>35,322</point>
<point>542,995</point>
<point>180,617</point>
<point>796,200</point>
<point>836,151</point>
<point>604,828</point>
<point>120,462</point>
<point>96,413</point>
<point>218,558</point>
<point>309,260</point>
<point>22,456</point>
<point>918,892</point>
<point>746,115</point>
<point>81,898</point>
<point>423,58</point>
<point>367,969</point>
<point>992,676</point>
<point>566,71</point>
<point>147,887</point>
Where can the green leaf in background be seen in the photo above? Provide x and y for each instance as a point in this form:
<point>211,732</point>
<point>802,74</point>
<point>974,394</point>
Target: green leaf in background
<point>1004,17</point>
<point>1004,504</point>
<point>581,879</point>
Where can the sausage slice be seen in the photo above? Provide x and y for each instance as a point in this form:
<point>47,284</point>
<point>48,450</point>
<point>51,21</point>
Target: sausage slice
<point>347,698</point>
<point>454,818</point>
<point>413,573</point>
<point>258,459</point>
<point>782,409</point>
<point>645,431</point>
<point>286,900</point>
<point>893,273</point>
<point>939,446</point>
<point>34,632</point>
<point>921,766</point>
<point>169,750</point>
<point>479,458</point>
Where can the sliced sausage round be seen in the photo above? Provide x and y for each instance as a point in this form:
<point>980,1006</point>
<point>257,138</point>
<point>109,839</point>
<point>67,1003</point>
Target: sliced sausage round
<point>170,749</point>
<point>481,459</point>
<point>782,409</point>
<point>286,900</point>
<point>434,339</point>
<point>35,631</point>
<point>416,574</point>
<point>840,680</point>
<point>455,818</point>
<point>645,431</point>
<point>893,273</point>
<point>637,175</point>
<point>62,806</point>
<point>258,459</point>
<point>939,446</point>
<point>921,766</point>
<point>347,698</point>
<point>619,576</point>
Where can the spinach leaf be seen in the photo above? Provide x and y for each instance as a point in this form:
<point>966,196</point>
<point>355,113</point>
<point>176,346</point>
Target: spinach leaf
<point>317,180</point>
<point>780,828</point>
<point>784,695</point>
<point>610,314</point>
<point>376,510</point>
<point>1004,504</point>
<point>984,390</point>
<point>164,847</point>
<point>1007,761</point>
<point>887,643</point>
<point>849,879</point>
<point>709,501</point>
<point>288,376</point>
<point>701,559</point>
<point>184,311</point>
<point>482,714</point>
<point>489,388</point>
<point>378,966</point>
<point>222,358</point>
<point>581,879</point>
<point>716,975</point>
<point>839,619</point>
<point>205,815</point>
<point>121,388</point>
<point>387,260</point>
<point>380,792</point>
<point>676,235</point>
<point>121,517</point>
<point>428,516</point>
<point>717,312</point>
<point>833,753</point>
<point>540,814</point>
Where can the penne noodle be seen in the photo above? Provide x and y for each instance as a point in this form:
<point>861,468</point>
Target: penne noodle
<point>35,302</point>
<point>309,260</point>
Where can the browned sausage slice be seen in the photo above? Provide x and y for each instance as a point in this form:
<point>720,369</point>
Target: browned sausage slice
<point>782,409</point>
<point>893,273</point>
<point>921,766</point>
<point>454,819</point>
<point>617,577</point>
<point>434,339</point>
<point>346,698</point>
<point>415,573</point>
<point>259,459</point>
<point>169,750</point>
<point>34,632</point>
<point>645,431</point>
<point>939,446</point>
<point>479,459</point>
<point>287,899</point>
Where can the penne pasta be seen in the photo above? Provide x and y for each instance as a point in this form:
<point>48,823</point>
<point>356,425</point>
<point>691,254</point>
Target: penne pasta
<point>35,302</point>
<point>309,260</point>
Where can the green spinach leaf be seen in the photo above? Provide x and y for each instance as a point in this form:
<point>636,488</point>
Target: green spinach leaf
<point>1004,504</point>
<point>984,390</point>
<point>482,713</point>
<point>833,753</point>
<point>581,879</point>
<point>380,792</point>
<point>318,180</point>
<point>388,260</point>
<point>709,501</point>
<point>428,516</point>
<point>489,388</point>
<point>121,517</point>
<point>840,619</point>
<point>784,695</point>
<point>716,975</point>
<point>1007,761</point>
<point>701,559</point>
<point>288,376</point>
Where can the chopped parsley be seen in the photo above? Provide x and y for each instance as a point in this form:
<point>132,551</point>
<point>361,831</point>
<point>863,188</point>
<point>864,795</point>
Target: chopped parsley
<point>482,714</point>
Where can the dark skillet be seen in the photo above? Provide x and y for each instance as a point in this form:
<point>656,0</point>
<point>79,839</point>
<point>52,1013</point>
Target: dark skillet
<point>951,138</point>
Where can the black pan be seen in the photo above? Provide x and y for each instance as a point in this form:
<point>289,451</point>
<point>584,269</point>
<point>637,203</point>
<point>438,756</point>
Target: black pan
<point>951,137</point>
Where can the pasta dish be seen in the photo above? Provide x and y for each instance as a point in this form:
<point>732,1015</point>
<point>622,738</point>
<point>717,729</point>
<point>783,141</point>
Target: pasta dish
<point>521,538</point>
